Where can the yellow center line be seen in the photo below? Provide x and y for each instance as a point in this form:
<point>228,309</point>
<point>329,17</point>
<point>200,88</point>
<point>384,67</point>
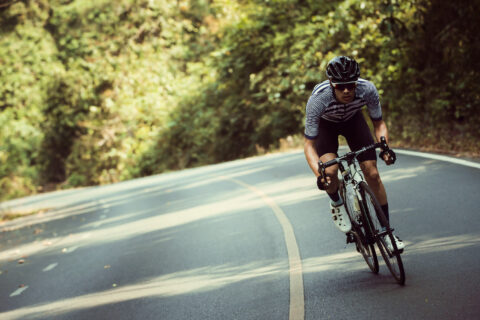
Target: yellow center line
<point>297,300</point>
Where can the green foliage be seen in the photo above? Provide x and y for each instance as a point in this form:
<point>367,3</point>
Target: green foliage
<point>96,92</point>
<point>69,98</point>
<point>25,59</point>
<point>436,67</point>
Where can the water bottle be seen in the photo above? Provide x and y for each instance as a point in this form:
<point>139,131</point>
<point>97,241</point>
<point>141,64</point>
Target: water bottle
<point>352,198</point>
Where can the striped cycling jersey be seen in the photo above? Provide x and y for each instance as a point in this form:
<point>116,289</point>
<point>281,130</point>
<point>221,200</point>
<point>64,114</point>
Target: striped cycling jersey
<point>322,104</point>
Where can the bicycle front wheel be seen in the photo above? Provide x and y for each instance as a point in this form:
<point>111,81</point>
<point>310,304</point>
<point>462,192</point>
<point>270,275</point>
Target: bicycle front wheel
<point>382,231</point>
<point>359,229</point>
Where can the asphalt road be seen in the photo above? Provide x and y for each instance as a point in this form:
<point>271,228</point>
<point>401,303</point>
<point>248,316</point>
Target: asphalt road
<point>249,239</point>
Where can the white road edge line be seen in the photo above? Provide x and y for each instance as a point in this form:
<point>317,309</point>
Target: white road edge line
<point>18,291</point>
<point>439,157</point>
<point>297,299</point>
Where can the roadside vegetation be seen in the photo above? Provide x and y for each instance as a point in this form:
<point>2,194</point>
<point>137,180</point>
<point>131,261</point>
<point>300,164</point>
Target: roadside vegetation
<point>98,91</point>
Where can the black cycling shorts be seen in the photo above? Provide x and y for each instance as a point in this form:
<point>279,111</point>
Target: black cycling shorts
<point>355,130</point>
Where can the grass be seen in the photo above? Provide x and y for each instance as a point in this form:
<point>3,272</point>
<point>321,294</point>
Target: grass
<point>9,215</point>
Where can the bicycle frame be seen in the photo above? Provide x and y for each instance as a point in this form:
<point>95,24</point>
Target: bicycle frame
<point>349,174</point>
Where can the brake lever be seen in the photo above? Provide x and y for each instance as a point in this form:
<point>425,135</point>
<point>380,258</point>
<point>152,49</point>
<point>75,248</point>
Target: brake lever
<point>323,175</point>
<point>383,143</point>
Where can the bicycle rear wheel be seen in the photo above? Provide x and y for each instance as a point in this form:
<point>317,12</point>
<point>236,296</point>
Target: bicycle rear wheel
<point>362,236</point>
<point>381,229</point>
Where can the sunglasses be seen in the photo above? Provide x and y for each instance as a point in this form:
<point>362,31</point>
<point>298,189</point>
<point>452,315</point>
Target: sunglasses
<point>342,86</point>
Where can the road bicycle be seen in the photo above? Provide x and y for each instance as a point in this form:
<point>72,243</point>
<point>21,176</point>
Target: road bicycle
<point>369,224</point>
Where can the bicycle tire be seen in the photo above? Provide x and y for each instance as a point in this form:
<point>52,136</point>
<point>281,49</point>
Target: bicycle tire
<point>381,229</point>
<point>364,247</point>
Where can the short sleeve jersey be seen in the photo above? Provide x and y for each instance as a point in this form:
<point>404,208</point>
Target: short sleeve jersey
<point>323,104</point>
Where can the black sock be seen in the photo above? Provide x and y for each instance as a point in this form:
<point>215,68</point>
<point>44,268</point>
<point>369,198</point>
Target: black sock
<point>334,196</point>
<point>385,212</point>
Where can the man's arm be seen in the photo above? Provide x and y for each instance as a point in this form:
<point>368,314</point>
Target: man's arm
<point>311,155</point>
<point>380,129</point>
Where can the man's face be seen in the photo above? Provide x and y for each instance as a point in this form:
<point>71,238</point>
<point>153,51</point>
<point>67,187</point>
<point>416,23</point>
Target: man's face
<point>344,92</point>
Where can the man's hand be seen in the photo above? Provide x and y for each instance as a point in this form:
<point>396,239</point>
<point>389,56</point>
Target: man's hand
<point>388,156</point>
<point>322,184</point>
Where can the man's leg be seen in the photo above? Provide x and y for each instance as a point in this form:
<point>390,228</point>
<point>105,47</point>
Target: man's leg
<point>326,147</point>
<point>331,172</point>
<point>370,171</point>
<point>337,208</point>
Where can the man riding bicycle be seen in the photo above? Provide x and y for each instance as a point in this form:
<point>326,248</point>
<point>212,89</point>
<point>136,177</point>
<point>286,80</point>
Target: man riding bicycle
<point>334,109</point>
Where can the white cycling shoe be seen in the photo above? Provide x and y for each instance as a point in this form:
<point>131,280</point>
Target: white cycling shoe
<point>400,244</point>
<point>340,218</point>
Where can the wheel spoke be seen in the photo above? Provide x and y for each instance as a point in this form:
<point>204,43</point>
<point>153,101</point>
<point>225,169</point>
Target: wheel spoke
<point>381,229</point>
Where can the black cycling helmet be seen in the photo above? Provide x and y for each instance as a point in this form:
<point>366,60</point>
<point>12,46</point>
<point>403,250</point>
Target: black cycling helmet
<point>343,69</point>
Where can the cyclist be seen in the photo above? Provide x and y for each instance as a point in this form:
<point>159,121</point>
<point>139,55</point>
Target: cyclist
<point>334,109</point>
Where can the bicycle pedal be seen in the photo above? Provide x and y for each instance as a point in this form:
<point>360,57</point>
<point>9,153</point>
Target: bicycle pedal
<point>350,238</point>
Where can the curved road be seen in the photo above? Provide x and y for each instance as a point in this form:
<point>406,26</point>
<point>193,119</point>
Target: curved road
<point>249,239</point>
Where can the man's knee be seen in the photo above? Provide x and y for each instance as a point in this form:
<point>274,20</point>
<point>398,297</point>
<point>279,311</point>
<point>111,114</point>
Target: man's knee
<point>372,176</point>
<point>370,171</point>
<point>332,171</point>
